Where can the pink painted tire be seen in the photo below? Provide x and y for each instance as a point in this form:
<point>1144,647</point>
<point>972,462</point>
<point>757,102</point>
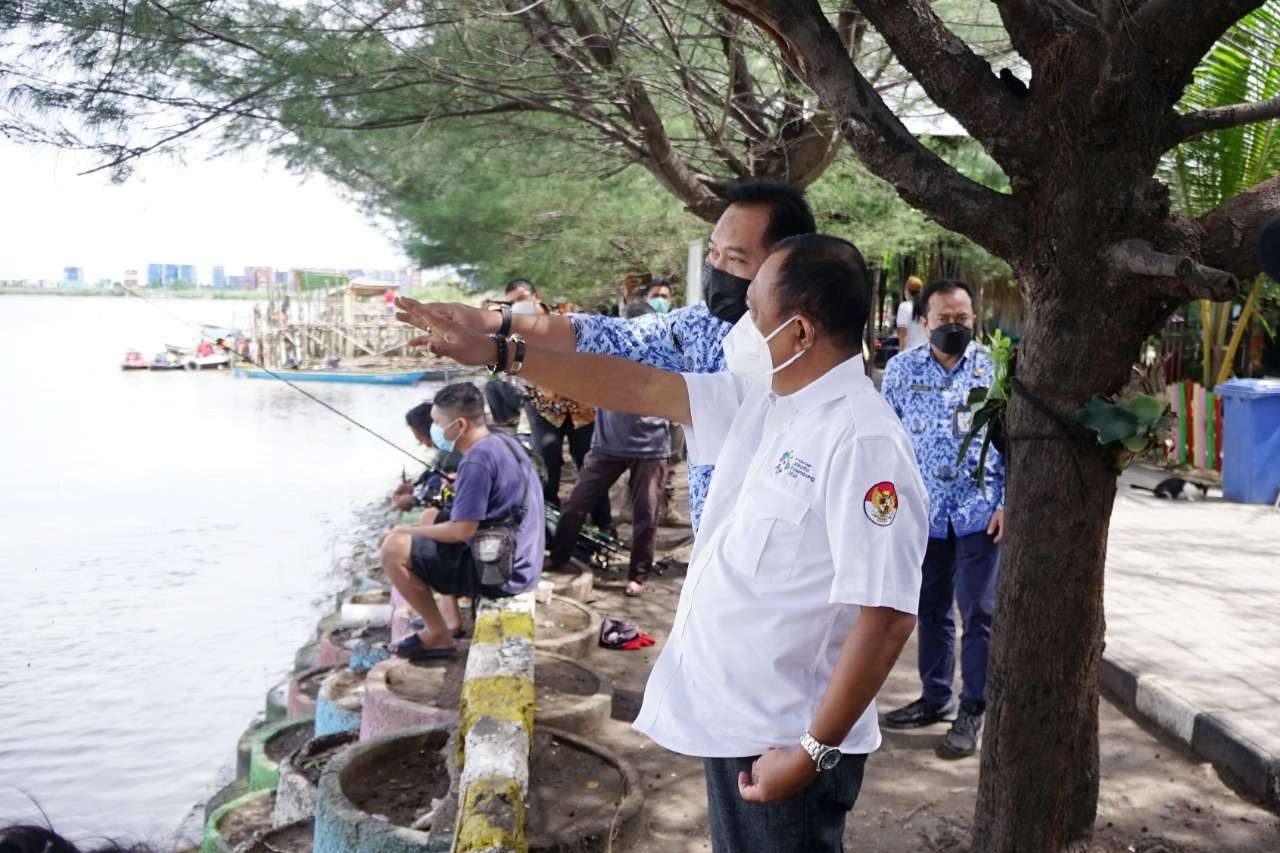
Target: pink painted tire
<point>385,711</point>
<point>301,703</point>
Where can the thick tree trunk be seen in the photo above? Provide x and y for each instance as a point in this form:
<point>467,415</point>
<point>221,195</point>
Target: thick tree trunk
<point>1039,783</point>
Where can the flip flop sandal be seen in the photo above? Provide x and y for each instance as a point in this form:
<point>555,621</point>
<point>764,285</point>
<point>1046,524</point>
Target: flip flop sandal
<point>411,648</point>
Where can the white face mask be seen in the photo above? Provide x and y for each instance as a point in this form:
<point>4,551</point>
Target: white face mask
<point>524,306</point>
<point>746,351</point>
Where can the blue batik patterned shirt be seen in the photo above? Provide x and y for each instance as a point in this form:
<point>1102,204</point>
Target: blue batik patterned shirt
<point>684,341</point>
<point>933,405</point>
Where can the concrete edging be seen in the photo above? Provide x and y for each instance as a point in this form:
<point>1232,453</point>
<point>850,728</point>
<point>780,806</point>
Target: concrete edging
<point>495,728</point>
<point>579,715</point>
<point>577,644</point>
<point>1203,732</point>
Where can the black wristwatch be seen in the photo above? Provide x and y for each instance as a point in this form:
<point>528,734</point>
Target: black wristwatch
<point>517,360</point>
<point>504,328</point>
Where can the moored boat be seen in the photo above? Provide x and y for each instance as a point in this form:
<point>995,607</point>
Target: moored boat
<point>133,360</point>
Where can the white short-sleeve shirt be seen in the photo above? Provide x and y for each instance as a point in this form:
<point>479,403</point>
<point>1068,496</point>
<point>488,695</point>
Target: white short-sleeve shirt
<point>916,335</point>
<point>816,509</point>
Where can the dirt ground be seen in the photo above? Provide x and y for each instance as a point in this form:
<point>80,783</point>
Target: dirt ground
<point>1155,797</point>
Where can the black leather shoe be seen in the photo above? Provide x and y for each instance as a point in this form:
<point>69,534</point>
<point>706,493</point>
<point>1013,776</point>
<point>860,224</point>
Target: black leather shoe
<point>920,713</point>
<point>962,740</point>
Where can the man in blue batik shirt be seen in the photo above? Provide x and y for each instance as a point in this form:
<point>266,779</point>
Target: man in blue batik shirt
<point>757,215</point>
<point>928,387</point>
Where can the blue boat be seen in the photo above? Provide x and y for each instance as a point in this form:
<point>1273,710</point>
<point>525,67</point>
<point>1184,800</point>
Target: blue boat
<point>370,377</point>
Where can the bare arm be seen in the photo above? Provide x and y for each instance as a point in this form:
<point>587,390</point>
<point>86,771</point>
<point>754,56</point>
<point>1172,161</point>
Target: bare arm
<point>868,654</point>
<point>448,531</point>
<point>548,331</point>
<point>596,380</point>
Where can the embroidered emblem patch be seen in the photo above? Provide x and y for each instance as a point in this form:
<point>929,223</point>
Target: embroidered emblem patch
<point>791,465</point>
<point>881,503</point>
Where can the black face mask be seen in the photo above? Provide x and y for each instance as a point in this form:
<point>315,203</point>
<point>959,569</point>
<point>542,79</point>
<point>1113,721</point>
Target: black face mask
<point>952,338</point>
<point>726,294</point>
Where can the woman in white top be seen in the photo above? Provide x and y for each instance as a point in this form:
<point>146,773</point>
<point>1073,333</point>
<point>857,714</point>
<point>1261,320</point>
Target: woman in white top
<point>911,331</point>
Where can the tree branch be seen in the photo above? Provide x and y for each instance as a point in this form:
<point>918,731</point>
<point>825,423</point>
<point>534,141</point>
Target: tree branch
<point>1231,231</point>
<point>1181,32</point>
<point>1191,125</point>
<point>1188,279</point>
<point>882,142</point>
<point>954,77</point>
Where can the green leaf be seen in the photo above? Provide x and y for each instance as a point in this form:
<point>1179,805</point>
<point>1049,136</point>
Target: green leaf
<point>1109,421</point>
<point>1135,443</point>
<point>1146,408</point>
<point>977,395</point>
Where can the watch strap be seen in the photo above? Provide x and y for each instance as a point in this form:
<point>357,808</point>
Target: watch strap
<point>504,328</point>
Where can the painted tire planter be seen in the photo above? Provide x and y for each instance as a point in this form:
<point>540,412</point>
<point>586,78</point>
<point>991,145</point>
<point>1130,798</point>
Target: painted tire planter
<point>561,766</point>
<point>367,608</point>
<point>244,750</point>
<point>295,837</point>
<point>234,790</point>
<point>340,645</point>
<point>303,690</point>
<point>568,696</point>
<point>278,702</point>
<point>565,627</point>
<point>300,774</point>
<point>395,777</point>
<point>273,744</point>
<point>236,821</point>
<point>339,701</point>
<point>401,694</point>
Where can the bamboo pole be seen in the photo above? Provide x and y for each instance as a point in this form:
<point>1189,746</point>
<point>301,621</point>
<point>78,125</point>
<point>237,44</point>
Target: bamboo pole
<point>1241,325</point>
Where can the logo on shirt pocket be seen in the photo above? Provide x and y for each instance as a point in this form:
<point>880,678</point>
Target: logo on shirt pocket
<point>881,503</point>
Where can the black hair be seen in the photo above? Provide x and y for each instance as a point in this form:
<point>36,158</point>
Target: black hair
<point>662,281</point>
<point>462,398</point>
<point>517,283</point>
<point>637,308</point>
<point>789,213</point>
<point>419,418</point>
<point>942,285</point>
<point>826,279</point>
<point>30,838</point>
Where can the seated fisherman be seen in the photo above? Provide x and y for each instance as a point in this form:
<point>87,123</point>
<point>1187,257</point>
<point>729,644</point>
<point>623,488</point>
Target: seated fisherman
<point>496,483</point>
<point>442,466</point>
<point>804,581</point>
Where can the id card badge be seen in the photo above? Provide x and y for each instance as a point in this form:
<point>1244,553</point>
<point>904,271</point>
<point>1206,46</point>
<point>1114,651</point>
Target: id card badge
<point>961,421</point>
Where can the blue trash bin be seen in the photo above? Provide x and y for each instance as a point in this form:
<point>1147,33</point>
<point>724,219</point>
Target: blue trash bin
<point>1251,440</point>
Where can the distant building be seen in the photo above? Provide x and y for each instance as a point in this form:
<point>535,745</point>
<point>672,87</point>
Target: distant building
<point>187,273</point>
<point>73,276</point>
<point>170,274</point>
<point>234,282</point>
<point>282,278</point>
<point>130,278</point>
<point>155,275</point>
<point>257,278</point>
<point>219,277</point>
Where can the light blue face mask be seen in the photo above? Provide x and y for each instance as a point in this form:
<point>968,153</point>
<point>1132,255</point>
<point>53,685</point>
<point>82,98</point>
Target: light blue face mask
<point>438,439</point>
<point>660,304</point>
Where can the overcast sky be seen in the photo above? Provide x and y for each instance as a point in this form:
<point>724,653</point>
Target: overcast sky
<point>235,211</point>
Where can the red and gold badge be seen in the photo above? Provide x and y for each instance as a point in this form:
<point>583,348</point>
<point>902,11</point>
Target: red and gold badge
<point>881,503</point>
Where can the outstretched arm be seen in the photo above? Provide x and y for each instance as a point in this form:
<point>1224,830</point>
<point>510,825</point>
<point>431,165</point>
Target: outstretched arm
<point>597,380</point>
<point>547,331</point>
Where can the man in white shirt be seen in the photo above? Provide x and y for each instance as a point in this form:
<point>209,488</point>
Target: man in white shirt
<point>911,331</point>
<point>804,582</point>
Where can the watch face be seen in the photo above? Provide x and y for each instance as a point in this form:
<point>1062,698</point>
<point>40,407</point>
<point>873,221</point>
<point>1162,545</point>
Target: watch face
<point>829,759</point>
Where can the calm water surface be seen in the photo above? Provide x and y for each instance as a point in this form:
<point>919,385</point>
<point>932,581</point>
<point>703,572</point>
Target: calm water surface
<point>167,541</point>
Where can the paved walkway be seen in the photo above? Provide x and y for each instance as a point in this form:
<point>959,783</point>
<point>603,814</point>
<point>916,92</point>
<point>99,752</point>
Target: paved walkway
<point>1193,625</point>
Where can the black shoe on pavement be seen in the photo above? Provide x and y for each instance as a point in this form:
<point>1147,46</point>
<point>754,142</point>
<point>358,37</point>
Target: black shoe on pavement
<point>920,713</point>
<point>962,740</point>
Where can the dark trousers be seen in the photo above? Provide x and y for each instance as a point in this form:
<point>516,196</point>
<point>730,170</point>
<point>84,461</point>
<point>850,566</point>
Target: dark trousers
<point>810,822</point>
<point>957,570</point>
<point>644,490</point>
<point>548,440</point>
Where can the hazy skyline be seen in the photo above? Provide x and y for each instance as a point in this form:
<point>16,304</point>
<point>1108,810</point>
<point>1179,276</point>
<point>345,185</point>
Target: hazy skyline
<point>235,211</point>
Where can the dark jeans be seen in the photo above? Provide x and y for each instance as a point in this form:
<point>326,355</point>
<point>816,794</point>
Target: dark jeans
<point>548,440</point>
<point>960,570</point>
<point>598,474</point>
<point>810,822</point>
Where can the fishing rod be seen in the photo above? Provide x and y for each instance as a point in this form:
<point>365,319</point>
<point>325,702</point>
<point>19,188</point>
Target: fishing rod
<point>222,345</point>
